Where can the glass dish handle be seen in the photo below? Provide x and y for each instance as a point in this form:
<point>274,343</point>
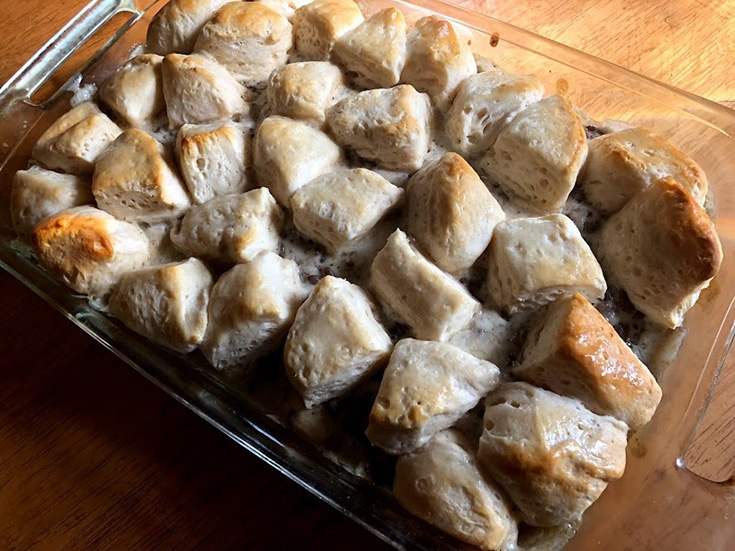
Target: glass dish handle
<point>63,44</point>
<point>19,114</point>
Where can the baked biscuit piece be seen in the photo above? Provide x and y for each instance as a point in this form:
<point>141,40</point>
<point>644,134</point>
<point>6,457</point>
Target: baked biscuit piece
<point>573,351</point>
<point>174,29</point>
<point>534,261</point>
<point>663,249</point>
<point>250,310</point>
<point>339,207</point>
<point>135,91</point>
<point>335,342</point>
<point>199,90</point>
<point>135,179</point>
<point>389,126</point>
<point>230,228</point>
<point>431,302</point>
<point>443,484</point>
<point>451,213</point>
<point>552,456</point>
<point>375,50</point>
<point>305,90</point>
<point>73,142</point>
<point>537,157</point>
<point>38,193</point>
<point>319,24</point>
<point>438,60</point>
<point>166,304</point>
<point>248,39</point>
<point>426,388</point>
<point>213,159</point>
<point>287,8</point>
<point>287,154</point>
<point>621,164</point>
<point>485,104</point>
<point>88,249</point>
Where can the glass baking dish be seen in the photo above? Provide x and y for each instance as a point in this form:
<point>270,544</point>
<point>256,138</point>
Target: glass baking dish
<point>658,504</point>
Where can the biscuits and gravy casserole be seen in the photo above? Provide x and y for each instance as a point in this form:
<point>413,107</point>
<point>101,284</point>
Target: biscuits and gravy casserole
<point>403,224</point>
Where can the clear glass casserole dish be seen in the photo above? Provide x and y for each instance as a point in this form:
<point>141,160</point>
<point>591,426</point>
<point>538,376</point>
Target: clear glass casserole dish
<point>658,504</point>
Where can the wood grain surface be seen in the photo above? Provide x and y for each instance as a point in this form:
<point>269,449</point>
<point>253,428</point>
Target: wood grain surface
<point>93,456</point>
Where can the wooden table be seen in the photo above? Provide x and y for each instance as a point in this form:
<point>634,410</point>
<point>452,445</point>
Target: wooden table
<point>93,456</point>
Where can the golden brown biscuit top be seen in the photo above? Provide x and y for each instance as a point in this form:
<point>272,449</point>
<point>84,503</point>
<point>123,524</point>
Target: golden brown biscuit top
<point>441,38</point>
<point>334,13</point>
<point>560,127</point>
<point>649,152</point>
<point>69,119</point>
<point>133,156</point>
<point>455,179</point>
<point>587,338</point>
<point>398,104</point>
<point>679,227</point>
<point>191,143</point>
<point>249,19</point>
<point>87,238</point>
